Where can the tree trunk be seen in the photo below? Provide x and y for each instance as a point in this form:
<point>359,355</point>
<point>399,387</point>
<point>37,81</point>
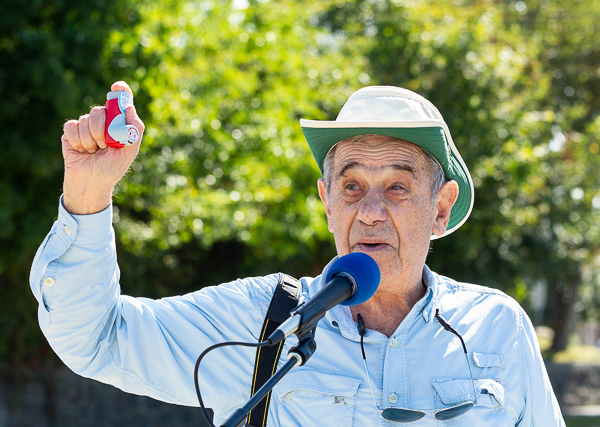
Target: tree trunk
<point>562,314</point>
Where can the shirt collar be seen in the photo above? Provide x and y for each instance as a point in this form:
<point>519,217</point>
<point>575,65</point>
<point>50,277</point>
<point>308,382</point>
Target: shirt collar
<point>432,293</point>
<point>340,317</point>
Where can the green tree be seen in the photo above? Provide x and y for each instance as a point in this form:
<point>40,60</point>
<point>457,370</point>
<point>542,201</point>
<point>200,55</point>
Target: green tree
<point>492,70</point>
<point>51,69</point>
<point>565,241</point>
<point>224,175</point>
<point>225,184</point>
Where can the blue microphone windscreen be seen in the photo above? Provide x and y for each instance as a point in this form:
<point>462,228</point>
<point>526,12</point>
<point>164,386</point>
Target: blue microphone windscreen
<point>363,269</point>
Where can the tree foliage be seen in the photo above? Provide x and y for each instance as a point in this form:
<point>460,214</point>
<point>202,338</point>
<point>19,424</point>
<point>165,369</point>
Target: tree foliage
<point>51,69</point>
<point>225,184</point>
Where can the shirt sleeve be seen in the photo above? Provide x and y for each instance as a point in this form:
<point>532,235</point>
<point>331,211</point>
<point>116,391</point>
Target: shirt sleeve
<point>541,408</point>
<point>143,346</point>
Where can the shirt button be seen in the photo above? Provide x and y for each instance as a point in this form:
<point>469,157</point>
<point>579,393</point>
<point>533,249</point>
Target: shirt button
<point>392,398</point>
<point>393,342</point>
<point>49,281</point>
<point>68,230</point>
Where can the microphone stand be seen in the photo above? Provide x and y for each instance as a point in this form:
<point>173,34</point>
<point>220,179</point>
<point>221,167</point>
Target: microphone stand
<point>298,356</point>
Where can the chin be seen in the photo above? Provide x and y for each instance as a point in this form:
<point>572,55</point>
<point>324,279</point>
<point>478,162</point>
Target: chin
<point>387,269</point>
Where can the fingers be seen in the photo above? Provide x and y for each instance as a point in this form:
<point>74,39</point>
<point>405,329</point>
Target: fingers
<point>71,130</point>
<point>85,137</point>
<point>87,133</point>
<point>121,85</point>
<point>97,123</point>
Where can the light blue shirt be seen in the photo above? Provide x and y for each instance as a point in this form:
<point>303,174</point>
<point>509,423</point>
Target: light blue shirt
<point>149,347</point>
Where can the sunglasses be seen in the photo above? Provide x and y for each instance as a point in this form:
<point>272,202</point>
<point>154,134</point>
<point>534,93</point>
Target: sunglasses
<point>404,415</point>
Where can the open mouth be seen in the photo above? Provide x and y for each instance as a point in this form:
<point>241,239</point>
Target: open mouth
<point>369,247</point>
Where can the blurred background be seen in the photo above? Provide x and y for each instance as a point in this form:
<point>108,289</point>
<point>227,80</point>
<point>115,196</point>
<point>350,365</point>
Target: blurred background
<point>225,185</point>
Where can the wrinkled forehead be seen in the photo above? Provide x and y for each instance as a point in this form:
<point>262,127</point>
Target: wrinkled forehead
<point>373,151</point>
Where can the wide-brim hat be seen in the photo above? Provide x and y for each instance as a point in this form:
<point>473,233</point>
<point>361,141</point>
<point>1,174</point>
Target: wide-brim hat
<point>400,113</point>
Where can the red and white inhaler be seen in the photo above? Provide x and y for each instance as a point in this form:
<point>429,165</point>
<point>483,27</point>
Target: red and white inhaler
<point>118,133</point>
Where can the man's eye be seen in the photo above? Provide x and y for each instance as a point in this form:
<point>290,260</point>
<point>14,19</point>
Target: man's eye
<point>397,187</point>
<point>352,187</point>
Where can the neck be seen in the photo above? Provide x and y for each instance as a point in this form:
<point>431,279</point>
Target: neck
<point>385,310</point>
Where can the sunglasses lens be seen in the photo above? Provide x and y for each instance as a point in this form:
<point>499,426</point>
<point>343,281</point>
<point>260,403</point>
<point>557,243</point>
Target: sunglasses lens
<point>448,414</point>
<point>402,415</point>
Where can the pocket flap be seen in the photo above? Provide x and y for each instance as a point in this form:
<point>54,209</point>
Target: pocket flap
<point>457,390</point>
<point>309,379</point>
<point>453,390</point>
<point>488,360</point>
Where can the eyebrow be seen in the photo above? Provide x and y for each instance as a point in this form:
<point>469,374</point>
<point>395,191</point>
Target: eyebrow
<point>397,166</point>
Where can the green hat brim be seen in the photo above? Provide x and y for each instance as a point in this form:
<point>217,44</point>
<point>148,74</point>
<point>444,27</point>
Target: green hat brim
<point>431,139</point>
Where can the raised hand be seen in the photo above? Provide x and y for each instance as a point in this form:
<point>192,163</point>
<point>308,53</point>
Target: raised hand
<point>91,168</point>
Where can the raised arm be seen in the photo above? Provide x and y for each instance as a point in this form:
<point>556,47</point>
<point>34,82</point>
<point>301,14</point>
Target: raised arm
<point>139,345</point>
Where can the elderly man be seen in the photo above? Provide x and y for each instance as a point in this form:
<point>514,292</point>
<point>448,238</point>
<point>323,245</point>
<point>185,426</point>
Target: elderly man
<point>436,352</point>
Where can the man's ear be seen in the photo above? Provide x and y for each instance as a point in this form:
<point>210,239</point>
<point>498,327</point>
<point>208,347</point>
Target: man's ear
<point>445,200</point>
<point>323,195</point>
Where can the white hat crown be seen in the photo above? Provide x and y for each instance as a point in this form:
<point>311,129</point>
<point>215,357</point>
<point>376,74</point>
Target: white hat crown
<point>387,104</point>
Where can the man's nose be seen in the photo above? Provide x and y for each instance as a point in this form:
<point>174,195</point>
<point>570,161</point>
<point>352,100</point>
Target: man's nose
<point>372,208</point>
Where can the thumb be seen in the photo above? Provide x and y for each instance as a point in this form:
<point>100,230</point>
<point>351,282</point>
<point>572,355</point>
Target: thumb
<point>132,118</point>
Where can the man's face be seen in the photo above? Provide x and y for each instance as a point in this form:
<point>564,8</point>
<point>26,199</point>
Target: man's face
<point>380,202</point>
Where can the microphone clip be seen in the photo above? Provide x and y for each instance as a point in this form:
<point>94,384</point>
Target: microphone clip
<point>306,345</point>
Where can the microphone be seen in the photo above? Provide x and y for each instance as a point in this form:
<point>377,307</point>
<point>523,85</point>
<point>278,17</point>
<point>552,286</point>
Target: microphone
<point>351,280</point>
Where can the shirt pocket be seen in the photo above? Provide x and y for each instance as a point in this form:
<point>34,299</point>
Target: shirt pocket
<point>311,398</point>
<point>490,407</point>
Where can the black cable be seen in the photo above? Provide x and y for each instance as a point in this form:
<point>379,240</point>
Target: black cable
<point>223,344</point>
<point>449,328</point>
<point>362,330</point>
